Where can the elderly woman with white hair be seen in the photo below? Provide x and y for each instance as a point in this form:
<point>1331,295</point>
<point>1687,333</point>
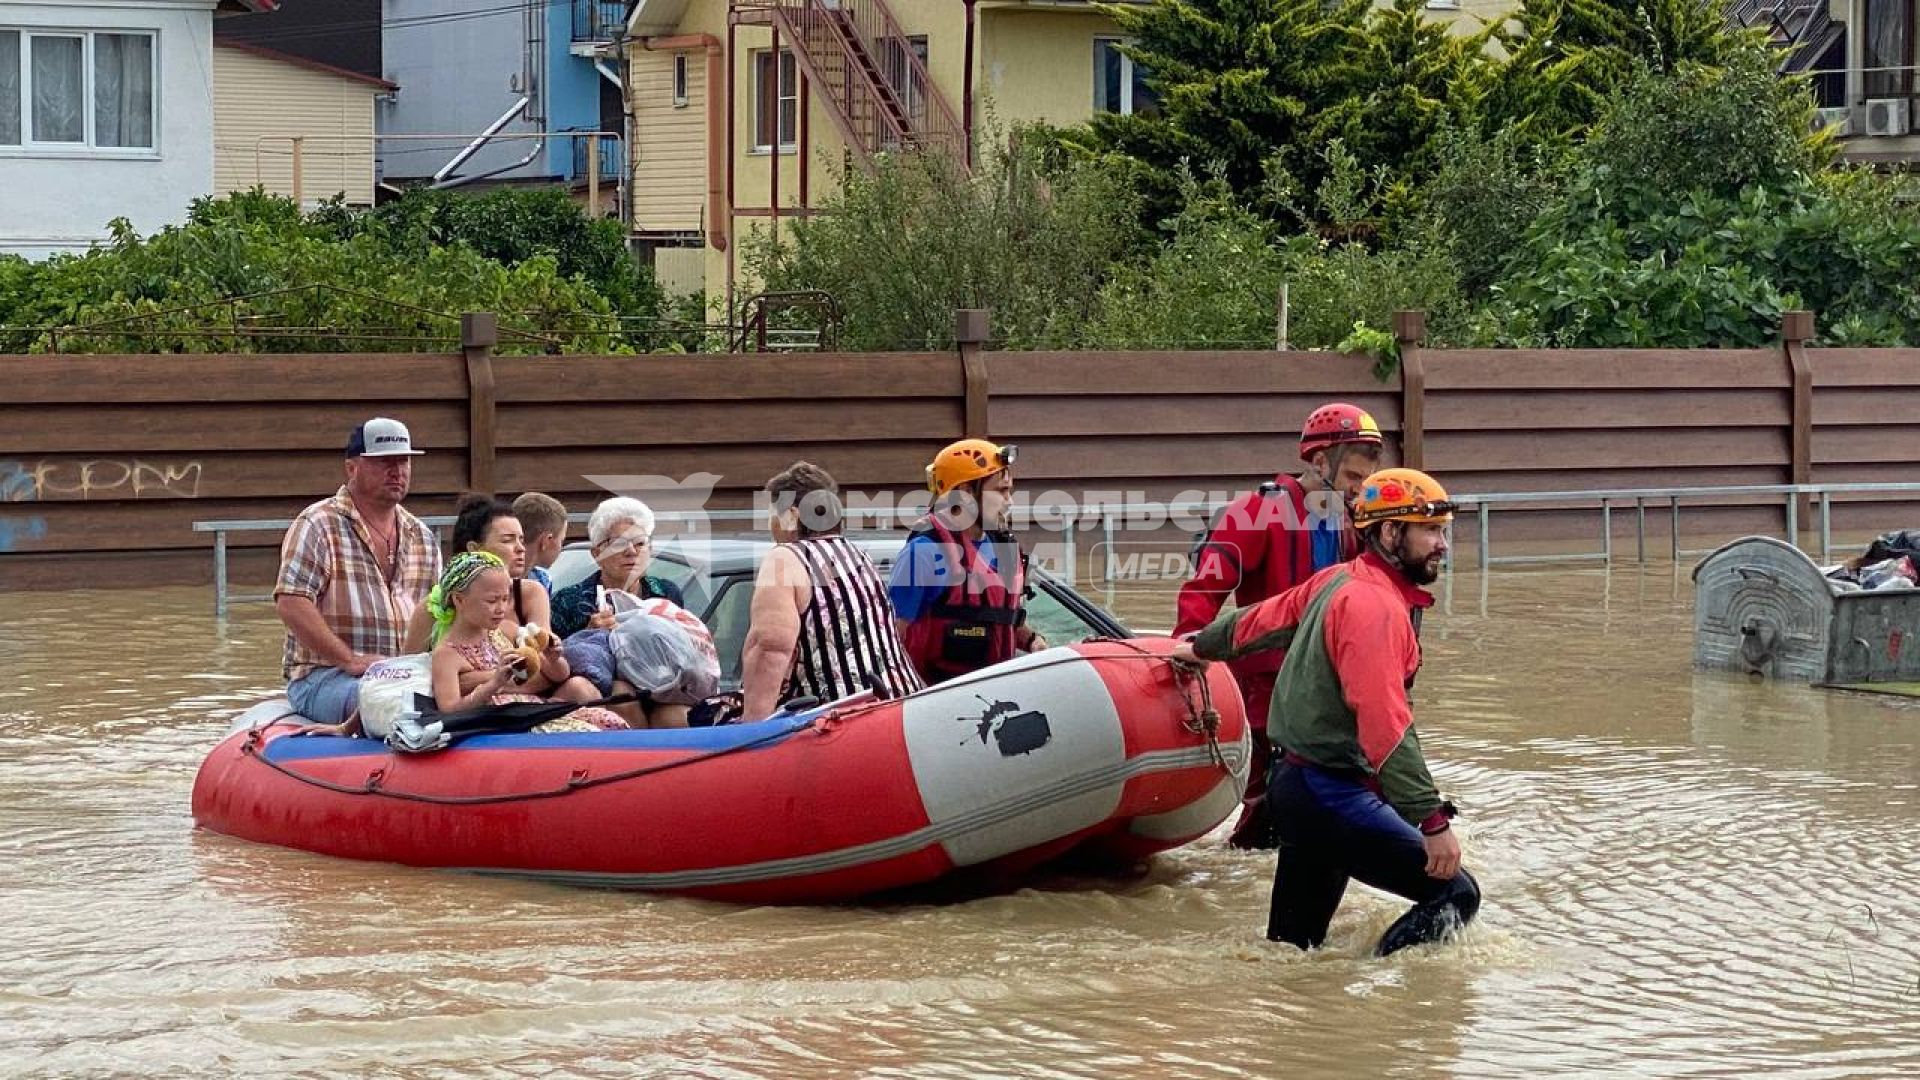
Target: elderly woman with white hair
<point>621,534</point>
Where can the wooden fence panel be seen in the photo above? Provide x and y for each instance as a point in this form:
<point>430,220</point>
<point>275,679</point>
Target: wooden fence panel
<point>1866,429</point>
<point>121,454</point>
<point>167,380</point>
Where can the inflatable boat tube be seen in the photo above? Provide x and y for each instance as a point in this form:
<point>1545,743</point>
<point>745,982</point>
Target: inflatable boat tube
<point>1102,748</point>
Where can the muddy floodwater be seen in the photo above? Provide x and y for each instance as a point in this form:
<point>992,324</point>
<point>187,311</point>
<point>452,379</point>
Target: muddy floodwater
<point>1685,875</point>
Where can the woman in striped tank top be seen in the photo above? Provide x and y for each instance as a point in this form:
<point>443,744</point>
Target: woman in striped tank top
<point>821,624</point>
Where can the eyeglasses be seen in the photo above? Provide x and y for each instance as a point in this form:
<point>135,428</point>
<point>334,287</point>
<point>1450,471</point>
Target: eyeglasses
<point>620,545</point>
<point>1006,455</point>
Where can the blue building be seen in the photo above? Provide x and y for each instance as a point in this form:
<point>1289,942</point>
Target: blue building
<point>501,93</point>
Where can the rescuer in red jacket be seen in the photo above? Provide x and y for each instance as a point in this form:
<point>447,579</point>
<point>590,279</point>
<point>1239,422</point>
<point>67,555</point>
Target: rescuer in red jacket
<point>1351,793</point>
<point>1266,542</point>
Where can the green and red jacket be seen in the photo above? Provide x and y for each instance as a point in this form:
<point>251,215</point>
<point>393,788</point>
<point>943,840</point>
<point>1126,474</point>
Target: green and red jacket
<point>1340,701</point>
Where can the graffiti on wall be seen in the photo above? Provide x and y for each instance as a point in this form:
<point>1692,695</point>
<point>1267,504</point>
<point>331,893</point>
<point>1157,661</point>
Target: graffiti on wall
<point>105,478</point>
<point>16,530</point>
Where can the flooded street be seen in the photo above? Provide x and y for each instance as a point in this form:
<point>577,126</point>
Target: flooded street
<point>1685,875</point>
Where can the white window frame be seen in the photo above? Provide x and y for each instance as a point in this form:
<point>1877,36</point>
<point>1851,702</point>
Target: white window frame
<point>1126,75</point>
<point>789,144</point>
<point>28,146</point>
<point>680,80</point>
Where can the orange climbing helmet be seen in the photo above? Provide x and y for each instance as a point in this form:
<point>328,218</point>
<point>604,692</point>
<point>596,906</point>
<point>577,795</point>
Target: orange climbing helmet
<point>1401,495</point>
<point>1335,423</point>
<point>966,461</point>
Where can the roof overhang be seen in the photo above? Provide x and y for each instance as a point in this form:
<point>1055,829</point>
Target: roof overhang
<point>310,65</point>
<point>652,18</point>
<point>247,7</point>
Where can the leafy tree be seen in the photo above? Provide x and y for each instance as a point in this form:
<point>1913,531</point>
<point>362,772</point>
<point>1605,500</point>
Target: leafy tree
<point>1484,195</point>
<point>1697,212</point>
<point>1216,283</point>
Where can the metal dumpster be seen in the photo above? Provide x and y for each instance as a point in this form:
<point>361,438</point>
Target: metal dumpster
<point>1763,606</point>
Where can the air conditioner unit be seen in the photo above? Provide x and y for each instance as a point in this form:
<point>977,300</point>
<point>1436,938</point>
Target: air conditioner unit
<point>1886,116</point>
<point>1839,118</point>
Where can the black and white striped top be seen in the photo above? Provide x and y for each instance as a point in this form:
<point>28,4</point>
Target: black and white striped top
<point>847,631</point>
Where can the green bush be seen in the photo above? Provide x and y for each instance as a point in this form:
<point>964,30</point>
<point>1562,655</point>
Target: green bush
<point>1707,129</point>
<point>242,269</point>
<point>906,245</point>
<point>1484,196</point>
<point>514,225</point>
<point>1215,283</point>
<point>1334,288</point>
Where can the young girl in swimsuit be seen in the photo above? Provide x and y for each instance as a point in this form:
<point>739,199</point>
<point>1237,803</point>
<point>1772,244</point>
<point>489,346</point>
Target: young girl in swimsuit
<point>472,612</point>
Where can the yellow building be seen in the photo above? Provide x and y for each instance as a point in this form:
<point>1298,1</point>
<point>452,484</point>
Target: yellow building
<point>264,100</point>
<point>728,141</point>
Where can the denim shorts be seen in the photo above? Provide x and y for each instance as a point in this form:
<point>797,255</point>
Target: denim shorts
<point>325,695</point>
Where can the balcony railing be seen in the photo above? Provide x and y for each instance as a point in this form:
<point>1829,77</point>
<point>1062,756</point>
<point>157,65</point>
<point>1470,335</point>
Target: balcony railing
<point>598,20</point>
<point>613,159</point>
<point>1879,102</point>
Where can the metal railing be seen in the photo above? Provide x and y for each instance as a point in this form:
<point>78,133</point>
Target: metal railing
<point>612,158</point>
<point>1607,499</point>
<point>1110,516</point>
<point>598,20</point>
<point>1067,567</point>
<point>854,53</point>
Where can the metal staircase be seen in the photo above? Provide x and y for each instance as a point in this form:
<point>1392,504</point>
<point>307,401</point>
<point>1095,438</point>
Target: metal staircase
<point>875,84</point>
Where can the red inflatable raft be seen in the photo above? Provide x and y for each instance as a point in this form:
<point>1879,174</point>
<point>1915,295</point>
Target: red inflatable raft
<point>1101,747</point>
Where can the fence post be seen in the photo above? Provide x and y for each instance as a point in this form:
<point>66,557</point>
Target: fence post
<point>299,172</point>
<point>479,332</point>
<point>1409,328</point>
<point>1796,329</point>
<point>970,331</point>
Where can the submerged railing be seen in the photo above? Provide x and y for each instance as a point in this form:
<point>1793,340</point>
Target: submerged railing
<point>1111,516</point>
<point>223,598</point>
<point>1607,499</point>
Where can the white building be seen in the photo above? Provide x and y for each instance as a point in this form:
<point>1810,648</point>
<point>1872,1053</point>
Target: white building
<point>106,110</point>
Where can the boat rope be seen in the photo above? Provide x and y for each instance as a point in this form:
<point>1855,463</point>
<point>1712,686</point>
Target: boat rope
<point>578,781</point>
<point>1202,719</point>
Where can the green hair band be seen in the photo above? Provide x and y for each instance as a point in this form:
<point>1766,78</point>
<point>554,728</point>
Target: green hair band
<point>455,579</point>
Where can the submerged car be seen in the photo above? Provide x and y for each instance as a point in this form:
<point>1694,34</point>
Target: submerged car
<point>717,578</point>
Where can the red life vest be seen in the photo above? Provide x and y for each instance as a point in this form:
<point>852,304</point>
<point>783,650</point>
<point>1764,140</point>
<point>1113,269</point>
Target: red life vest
<point>976,621</point>
<point>1253,554</point>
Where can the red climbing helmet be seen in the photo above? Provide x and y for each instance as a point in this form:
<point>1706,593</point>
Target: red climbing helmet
<point>1336,423</point>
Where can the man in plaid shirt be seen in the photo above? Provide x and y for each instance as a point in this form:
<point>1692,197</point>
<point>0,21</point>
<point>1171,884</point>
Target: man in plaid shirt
<point>352,569</point>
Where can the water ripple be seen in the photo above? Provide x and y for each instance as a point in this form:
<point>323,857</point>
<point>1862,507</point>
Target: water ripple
<point>1688,876</point>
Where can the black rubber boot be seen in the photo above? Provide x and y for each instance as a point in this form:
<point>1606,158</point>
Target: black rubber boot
<point>1435,919</point>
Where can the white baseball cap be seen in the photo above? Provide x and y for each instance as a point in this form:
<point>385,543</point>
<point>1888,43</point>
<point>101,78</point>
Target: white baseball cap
<point>381,437</point>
